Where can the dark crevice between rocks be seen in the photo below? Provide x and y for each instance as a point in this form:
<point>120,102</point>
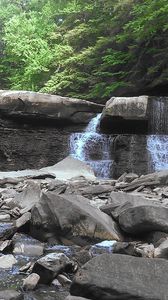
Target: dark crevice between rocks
<point>118,125</point>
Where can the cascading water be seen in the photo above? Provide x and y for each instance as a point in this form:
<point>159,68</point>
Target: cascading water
<point>157,144</point>
<point>93,148</point>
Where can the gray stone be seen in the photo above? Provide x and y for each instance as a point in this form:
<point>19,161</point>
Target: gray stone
<point>66,169</point>
<point>115,276</point>
<point>30,282</point>
<point>26,104</point>
<point>7,261</point>
<point>142,219</point>
<point>50,265</point>
<point>72,217</point>
<point>162,250</point>
<point>126,114</point>
<point>120,201</point>
<point>10,295</point>
<point>22,220</point>
<point>30,196</point>
<point>75,298</point>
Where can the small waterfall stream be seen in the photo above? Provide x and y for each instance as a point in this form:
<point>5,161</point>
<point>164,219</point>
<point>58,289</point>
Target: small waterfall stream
<point>93,148</point>
<point>157,144</point>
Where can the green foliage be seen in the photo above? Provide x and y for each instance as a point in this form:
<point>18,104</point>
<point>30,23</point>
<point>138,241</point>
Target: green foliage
<point>89,49</point>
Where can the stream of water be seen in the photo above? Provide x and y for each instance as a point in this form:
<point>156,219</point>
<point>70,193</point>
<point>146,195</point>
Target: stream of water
<point>93,148</point>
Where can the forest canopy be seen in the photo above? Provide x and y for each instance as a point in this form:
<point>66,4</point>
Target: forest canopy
<point>90,49</point>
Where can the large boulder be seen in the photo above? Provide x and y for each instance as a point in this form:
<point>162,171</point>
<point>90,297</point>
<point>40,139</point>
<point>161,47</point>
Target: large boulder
<point>115,276</point>
<point>32,105</point>
<point>144,218</point>
<point>120,201</point>
<point>126,115</point>
<point>71,217</point>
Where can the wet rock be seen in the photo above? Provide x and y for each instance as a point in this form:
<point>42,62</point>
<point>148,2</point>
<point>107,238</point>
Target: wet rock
<point>26,245</point>
<point>22,220</point>
<point>10,295</point>
<point>7,230</point>
<point>73,218</point>
<point>50,265</point>
<point>122,277</point>
<point>7,261</point>
<point>31,282</point>
<point>142,219</point>
<point>103,247</point>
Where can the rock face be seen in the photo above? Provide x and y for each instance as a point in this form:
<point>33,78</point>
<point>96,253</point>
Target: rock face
<point>115,276</point>
<point>31,105</point>
<point>129,115</point>
<point>71,217</point>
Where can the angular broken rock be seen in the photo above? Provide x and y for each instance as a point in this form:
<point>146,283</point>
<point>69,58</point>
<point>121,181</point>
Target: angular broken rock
<point>73,218</point>
<point>31,282</point>
<point>142,219</point>
<point>115,276</point>
<point>50,265</point>
<point>22,220</point>
<point>120,201</point>
<point>29,197</point>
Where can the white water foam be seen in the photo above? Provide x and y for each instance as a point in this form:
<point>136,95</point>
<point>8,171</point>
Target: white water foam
<point>157,146</point>
<point>93,148</point>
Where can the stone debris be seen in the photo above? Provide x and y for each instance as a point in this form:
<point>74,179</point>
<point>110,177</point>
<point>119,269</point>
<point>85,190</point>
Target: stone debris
<point>54,229</point>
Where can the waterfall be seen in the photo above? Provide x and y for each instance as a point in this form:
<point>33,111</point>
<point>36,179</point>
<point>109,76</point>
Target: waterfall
<point>93,148</point>
<point>158,121</point>
<point>157,146</point>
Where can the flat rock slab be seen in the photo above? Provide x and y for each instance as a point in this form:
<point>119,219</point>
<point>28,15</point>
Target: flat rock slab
<point>31,105</point>
<point>66,169</point>
<point>122,277</point>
